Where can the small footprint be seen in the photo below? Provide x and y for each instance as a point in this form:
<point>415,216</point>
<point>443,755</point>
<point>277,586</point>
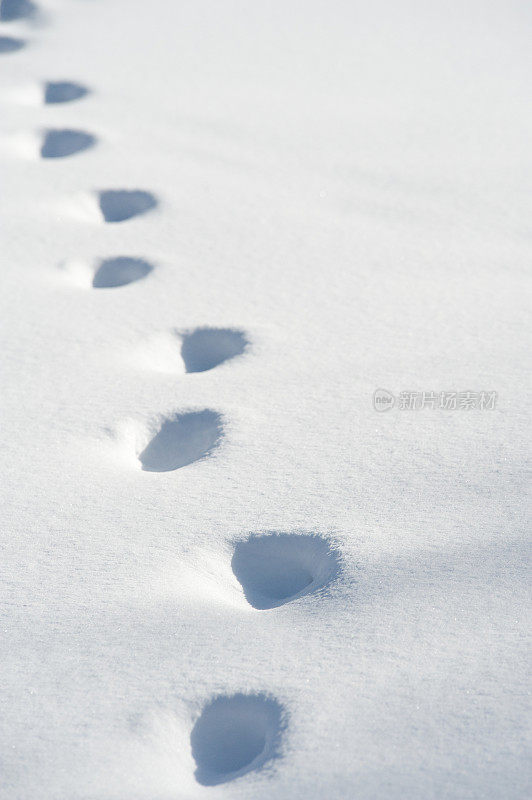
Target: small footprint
<point>235,735</point>
<point>181,440</point>
<point>11,10</point>
<point>10,45</point>
<point>205,348</point>
<point>63,92</point>
<point>278,567</point>
<point>120,271</point>
<point>61,143</point>
<point>119,205</point>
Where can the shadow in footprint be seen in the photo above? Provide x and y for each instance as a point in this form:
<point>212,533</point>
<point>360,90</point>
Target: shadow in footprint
<point>11,10</point>
<point>120,271</point>
<point>278,567</point>
<point>119,205</point>
<point>182,440</point>
<point>10,45</point>
<point>205,348</point>
<point>235,735</point>
<point>63,92</point>
<point>61,143</point>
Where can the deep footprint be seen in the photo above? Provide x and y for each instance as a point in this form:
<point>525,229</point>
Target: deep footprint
<point>119,205</point>
<point>235,735</point>
<point>278,567</point>
<point>205,348</point>
<point>10,45</point>
<point>61,143</point>
<point>11,10</point>
<point>63,92</point>
<point>182,440</point>
<point>120,271</point>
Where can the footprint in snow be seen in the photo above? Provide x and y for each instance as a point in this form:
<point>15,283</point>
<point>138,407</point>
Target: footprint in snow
<point>10,45</point>
<point>235,735</point>
<point>119,205</point>
<point>11,10</point>
<point>205,348</point>
<point>120,271</point>
<point>182,439</point>
<point>61,143</point>
<point>278,567</point>
<point>63,92</point>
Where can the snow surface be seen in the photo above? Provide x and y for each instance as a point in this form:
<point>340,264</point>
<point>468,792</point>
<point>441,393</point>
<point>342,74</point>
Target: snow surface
<point>339,191</point>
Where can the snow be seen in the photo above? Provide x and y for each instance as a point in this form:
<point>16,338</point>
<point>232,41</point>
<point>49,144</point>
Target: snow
<point>338,193</point>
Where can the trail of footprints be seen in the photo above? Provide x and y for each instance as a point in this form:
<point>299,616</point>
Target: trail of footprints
<point>236,733</point>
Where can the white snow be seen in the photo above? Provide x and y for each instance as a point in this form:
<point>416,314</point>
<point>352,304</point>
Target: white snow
<point>339,192</point>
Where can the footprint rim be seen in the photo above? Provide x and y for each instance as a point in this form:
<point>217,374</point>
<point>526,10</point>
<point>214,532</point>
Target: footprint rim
<point>199,355</point>
<point>136,264</point>
<point>327,554</point>
<point>50,88</point>
<point>215,433</point>
<point>55,140</point>
<point>125,204</point>
<point>11,44</point>
<point>272,714</point>
<point>21,10</point>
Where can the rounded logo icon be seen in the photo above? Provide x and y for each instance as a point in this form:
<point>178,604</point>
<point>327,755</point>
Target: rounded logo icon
<point>383,400</point>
